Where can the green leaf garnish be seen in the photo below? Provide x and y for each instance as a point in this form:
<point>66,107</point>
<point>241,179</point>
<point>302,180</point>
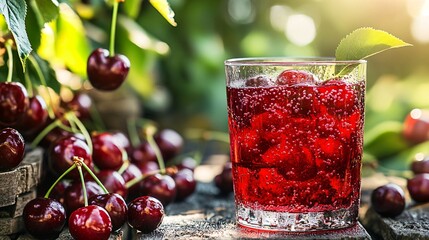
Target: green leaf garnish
<point>365,42</point>
<point>14,12</point>
<point>164,9</point>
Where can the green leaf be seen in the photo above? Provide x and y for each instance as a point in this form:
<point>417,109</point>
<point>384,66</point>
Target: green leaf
<point>365,42</point>
<point>14,12</point>
<point>164,9</point>
<point>34,26</point>
<point>48,9</point>
<point>132,7</point>
<point>45,76</point>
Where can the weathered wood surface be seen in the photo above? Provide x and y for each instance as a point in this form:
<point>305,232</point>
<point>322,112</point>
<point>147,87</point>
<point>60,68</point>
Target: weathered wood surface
<point>207,215</point>
<point>65,235</point>
<point>16,209</point>
<point>21,179</point>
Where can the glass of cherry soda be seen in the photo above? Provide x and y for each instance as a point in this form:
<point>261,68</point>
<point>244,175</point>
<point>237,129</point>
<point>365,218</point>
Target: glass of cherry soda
<point>296,134</point>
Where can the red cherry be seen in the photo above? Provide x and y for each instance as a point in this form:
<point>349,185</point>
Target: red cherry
<point>13,102</point>
<point>143,153</point>
<point>338,96</point>
<point>223,181</point>
<point>418,187</point>
<point>145,214</point>
<point>130,173</point>
<point>147,167</point>
<point>106,154</point>
<point>12,148</point>
<point>73,196</point>
<point>258,81</point>
<point>170,143</point>
<point>115,205</point>
<point>122,140</point>
<point>34,118</point>
<point>81,104</point>
<point>185,183</point>
<point>44,218</point>
<point>63,151</point>
<point>388,200</point>
<point>420,165</point>
<point>188,163</point>
<point>106,72</point>
<point>416,126</point>
<point>162,187</point>
<point>113,182</point>
<point>293,77</point>
<point>90,222</point>
<point>58,192</point>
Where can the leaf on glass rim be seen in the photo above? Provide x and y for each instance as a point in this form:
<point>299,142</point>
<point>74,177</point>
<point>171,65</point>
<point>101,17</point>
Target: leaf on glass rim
<point>363,43</point>
<point>164,9</point>
<point>14,12</point>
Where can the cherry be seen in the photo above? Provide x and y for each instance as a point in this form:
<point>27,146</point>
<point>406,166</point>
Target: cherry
<point>147,167</point>
<point>58,192</point>
<point>188,163</point>
<point>115,205</point>
<point>418,187</point>
<point>416,126</point>
<point>223,181</point>
<point>106,72</point>
<point>293,77</point>
<point>107,153</point>
<point>159,186</point>
<point>73,195</point>
<point>113,182</point>
<point>90,222</point>
<point>388,200</point>
<point>185,183</point>
<point>420,166</point>
<point>81,104</point>
<point>130,173</point>
<point>12,148</point>
<point>122,140</point>
<point>53,136</point>
<point>170,143</point>
<point>13,102</point>
<point>34,118</point>
<point>44,218</point>
<point>258,81</point>
<point>62,152</point>
<point>145,214</point>
<point>143,153</point>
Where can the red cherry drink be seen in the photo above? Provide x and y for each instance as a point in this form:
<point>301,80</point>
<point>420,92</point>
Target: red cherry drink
<point>296,149</point>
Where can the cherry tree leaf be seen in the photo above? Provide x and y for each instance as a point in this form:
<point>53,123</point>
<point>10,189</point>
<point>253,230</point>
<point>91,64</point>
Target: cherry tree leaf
<point>14,12</point>
<point>164,9</point>
<point>365,42</point>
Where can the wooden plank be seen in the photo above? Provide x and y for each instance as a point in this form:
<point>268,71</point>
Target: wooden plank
<point>17,209</point>
<point>21,179</point>
<point>10,226</point>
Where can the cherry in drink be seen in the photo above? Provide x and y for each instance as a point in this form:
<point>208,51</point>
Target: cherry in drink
<point>296,131</point>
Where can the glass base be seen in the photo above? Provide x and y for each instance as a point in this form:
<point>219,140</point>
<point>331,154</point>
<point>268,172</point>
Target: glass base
<point>296,222</point>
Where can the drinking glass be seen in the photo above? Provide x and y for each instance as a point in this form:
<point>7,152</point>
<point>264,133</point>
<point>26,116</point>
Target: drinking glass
<point>296,134</point>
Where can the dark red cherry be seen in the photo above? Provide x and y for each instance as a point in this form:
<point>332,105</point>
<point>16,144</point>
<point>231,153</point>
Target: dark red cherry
<point>113,182</point>
<point>53,136</point>
<point>81,104</point>
<point>147,167</point>
<point>145,214</point>
<point>420,165</point>
<point>73,196</point>
<point>223,181</point>
<point>90,222</point>
<point>170,143</point>
<point>188,163</point>
<point>388,200</point>
<point>63,151</point>
<point>106,72</point>
<point>293,77</point>
<point>58,192</point>
<point>185,183</point>
<point>115,205</point>
<point>258,81</point>
<point>130,173</point>
<point>44,218</point>
<point>416,126</point>
<point>418,187</point>
<point>161,187</point>
<point>143,153</point>
<point>122,140</point>
<point>12,147</point>
<point>106,154</point>
<point>34,118</point>
<point>13,102</point>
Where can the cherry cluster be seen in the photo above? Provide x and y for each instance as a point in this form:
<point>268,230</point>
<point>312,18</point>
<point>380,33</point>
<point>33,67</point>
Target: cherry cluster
<point>389,200</point>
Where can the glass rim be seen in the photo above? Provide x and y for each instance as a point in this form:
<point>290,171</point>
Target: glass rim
<point>289,61</point>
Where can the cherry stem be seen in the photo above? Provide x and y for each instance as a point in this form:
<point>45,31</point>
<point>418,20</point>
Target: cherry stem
<point>207,135</point>
<point>59,179</point>
<point>72,117</point>
<point>150,131</point>
<point>134,181</point>
<point>10,60</point>
<point>124,166</point>
<point>43,81</point>
<point>95,178</point>
<point>132,132</point>
<point>29,84</point>
<point>113,28</point>
<point>85,196</point>
<point>45,131</point>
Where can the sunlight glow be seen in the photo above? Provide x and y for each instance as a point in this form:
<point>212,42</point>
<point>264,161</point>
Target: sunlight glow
<point>300,29</point>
